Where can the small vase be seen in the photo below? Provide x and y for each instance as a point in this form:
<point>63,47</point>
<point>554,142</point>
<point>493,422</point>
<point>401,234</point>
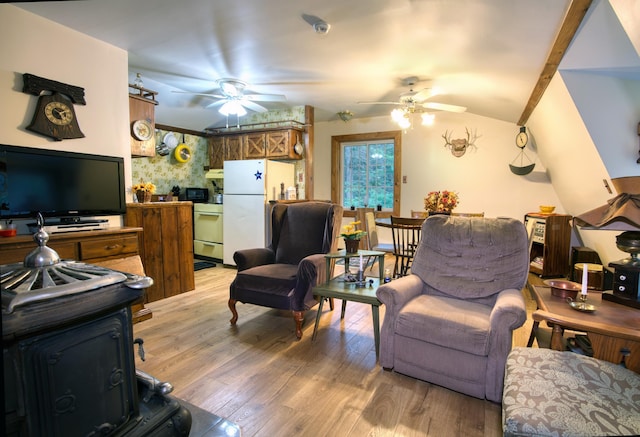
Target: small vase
<point>143,196</point>
<point>351,245</point>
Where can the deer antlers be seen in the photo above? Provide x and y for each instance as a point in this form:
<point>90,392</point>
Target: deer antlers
<point>459,146</point>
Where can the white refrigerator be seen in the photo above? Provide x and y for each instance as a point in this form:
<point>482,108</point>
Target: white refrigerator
<point>248,187</point>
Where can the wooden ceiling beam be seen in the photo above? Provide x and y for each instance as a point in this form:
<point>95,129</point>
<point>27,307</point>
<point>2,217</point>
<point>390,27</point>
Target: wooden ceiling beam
<point>572,20</point>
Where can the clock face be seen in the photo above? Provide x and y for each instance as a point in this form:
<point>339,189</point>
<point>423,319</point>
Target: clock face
<point>522,139</point>
<point>58,113</point>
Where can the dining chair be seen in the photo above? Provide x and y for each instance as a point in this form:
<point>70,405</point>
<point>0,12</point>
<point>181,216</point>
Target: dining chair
<point>374,243</point>
<point>419,214</point>
<point>406,236</point>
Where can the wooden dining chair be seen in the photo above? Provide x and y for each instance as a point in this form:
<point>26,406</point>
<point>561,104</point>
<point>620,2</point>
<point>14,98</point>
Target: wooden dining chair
<point>406,236</point>
<point>419,214</point>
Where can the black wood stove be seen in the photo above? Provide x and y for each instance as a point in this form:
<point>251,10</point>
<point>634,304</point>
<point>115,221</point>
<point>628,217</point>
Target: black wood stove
<point>67,341</point>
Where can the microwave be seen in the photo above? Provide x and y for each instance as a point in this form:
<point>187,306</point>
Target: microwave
<point>196,195</point>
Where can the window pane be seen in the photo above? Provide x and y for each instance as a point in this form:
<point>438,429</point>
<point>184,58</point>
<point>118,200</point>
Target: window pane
<point>368,175</point>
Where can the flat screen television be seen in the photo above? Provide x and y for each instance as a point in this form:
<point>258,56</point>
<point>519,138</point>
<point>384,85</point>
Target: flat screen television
<point>59,184</point>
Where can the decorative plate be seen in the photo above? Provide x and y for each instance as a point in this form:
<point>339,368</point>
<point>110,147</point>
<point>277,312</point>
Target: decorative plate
<point>170,140</point>
<point>142,130</point>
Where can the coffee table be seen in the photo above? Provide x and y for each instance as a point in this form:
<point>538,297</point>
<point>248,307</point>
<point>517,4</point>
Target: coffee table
<point>611,329</point>
<point>348,291</point>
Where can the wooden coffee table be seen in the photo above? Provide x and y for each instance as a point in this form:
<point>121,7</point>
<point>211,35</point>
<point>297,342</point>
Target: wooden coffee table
<point>611,328</point>
<point>348,291</point>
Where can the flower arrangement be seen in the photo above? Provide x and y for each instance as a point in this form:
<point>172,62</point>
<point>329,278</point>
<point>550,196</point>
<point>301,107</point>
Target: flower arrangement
<point>441,201</point>
<point>351,231</point>
<point>147,187</point>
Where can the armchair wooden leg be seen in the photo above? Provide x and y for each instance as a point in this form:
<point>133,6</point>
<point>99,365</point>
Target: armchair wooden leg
<point>232,307</point>
<point>298,316</point>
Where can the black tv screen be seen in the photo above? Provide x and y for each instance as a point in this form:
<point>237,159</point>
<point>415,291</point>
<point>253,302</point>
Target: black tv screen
<point>59,184</point>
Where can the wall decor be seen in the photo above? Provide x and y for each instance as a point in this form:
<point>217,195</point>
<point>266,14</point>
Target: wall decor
<point>459,146</point>
<point>54,116</point>
<point>522,165</point>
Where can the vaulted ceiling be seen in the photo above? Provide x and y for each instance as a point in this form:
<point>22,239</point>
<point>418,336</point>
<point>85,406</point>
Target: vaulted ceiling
<point>486,55</point>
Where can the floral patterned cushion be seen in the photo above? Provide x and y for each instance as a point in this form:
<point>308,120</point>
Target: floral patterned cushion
<point>551,393</point>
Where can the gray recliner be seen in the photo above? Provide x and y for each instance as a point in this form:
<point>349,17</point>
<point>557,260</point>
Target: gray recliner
<point>450,321</point>
<point>283,274</point>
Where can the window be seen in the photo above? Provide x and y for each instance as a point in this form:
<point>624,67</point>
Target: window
<point>365,170</point>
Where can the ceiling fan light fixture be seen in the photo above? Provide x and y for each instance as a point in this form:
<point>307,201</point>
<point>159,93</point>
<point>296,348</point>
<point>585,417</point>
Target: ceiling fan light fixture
<point>232,107</point>
<point>345,115</point>
<point>397,115</point>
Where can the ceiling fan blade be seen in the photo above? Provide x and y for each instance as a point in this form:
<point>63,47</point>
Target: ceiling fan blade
<point>253,106</point>
<point>216,103</point>
<point>381,103</point>
<point>265,97</point>
<point>217,96</point>
<point>424,94</point>
<point>443,107</point>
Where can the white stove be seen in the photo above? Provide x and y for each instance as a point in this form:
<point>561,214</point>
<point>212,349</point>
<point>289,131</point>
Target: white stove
<point>207,230</point>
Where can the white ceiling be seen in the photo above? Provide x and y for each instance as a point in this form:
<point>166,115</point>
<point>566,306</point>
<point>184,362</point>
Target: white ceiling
<point>484,54</point>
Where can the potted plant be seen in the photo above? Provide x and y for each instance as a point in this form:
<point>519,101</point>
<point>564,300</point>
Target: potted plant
<point>352,236</point>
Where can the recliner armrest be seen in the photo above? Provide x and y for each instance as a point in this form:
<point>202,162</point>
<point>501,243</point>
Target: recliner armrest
<point>248,258</point>
<point>509,310</point>
<point>397,293</point>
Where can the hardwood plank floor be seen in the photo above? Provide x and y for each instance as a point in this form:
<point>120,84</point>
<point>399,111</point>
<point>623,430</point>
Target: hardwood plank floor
<point>259,376</point>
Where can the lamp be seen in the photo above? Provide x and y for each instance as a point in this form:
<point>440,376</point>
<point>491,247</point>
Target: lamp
<point>404,117</point>
<point>232,107</point>
<point>345,115</point>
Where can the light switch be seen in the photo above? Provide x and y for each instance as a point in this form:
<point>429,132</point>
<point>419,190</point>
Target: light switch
<point>404,179</point>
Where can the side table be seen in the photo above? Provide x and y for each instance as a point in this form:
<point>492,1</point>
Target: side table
<point>348,291</point>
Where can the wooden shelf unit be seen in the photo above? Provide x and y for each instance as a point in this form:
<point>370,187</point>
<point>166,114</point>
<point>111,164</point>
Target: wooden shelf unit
<point>98,247</point>
<point>551,239</point>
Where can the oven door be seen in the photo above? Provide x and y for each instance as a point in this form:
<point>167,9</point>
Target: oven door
<point>207,230</point>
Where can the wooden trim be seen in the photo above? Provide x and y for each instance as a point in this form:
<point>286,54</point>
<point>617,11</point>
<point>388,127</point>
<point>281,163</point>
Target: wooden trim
<point>336,164</point>
<point>182,130</point>
<point>572,20</point>
<point>309,146</point>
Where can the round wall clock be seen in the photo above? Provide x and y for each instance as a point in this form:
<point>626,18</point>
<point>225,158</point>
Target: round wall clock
<point>142,130</point>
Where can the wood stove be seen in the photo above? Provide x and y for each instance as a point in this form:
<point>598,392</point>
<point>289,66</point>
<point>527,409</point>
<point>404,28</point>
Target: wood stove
<point>69,367</point>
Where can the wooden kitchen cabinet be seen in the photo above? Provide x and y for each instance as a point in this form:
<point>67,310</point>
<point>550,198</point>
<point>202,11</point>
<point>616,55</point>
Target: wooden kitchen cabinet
<point>142,107</point>
<point>166,245</point>
<point>216,152</point>
<point>255,145</point>
<point>271,144</point>
<point>233,146</point>
<point>93,247</point>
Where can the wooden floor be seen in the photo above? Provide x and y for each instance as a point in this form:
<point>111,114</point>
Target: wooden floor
<point>260,377</point>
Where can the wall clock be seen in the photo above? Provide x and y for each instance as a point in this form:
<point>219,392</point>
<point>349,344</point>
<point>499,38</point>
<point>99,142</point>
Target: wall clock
<point>54,116</point>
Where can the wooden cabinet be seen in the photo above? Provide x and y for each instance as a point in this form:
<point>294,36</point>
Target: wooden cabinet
<point>166,245</point>
<point>93,247</point>
<point>271,144</point>
<point>216,152</point>
<point>142,107</point>
<point>233,148</point>
<point>550,238</point>
<point>280,144</point>
<point>255,146</point>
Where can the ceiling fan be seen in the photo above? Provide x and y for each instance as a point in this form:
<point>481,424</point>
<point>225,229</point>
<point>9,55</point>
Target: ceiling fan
<point>233,100</point>
<point>417,101</point>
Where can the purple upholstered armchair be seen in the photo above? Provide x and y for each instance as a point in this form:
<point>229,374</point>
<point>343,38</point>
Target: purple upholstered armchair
<point>283,274</point>
<point>450,321</point>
